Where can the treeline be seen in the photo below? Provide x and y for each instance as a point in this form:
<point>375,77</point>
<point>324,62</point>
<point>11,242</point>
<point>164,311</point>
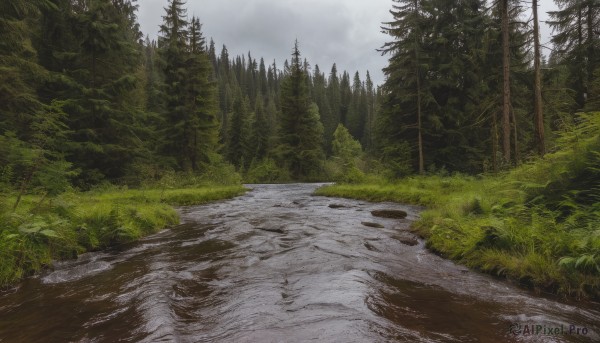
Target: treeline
<point>467,89</point>
<point>87,100</point>
<point>250,98</point>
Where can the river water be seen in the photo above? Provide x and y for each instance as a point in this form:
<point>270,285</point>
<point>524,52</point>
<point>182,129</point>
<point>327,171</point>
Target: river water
<point>280,265</point>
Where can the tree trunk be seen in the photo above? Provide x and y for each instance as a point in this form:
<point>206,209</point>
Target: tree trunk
<point>506,83</point>
<point>495,141</point>
<point>538,105</point>
<point>516,136</point>
<point>419,122</point>
<point>591,56</point>
<point>579,59</point>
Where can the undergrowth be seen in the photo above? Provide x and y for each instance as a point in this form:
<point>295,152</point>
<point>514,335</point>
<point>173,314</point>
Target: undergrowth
<point>41,231</point>
<point>538,224</point>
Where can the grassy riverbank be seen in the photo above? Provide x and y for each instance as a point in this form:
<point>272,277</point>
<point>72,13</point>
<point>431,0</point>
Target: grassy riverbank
<point>538,224</point>
<point>42,230</point>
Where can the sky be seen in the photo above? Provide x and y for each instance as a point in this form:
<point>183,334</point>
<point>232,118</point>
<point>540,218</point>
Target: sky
<point>347,32</point>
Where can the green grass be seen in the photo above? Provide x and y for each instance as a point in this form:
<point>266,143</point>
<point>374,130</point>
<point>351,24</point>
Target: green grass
<point>72,223</point>
<point>538,224</point>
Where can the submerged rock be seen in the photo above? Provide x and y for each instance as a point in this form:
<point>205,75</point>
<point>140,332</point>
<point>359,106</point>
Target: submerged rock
<point>394,214</point>
<point>336,206</point>
<point>407,240</point>
<point>270,229</point>
<point>375,225</point>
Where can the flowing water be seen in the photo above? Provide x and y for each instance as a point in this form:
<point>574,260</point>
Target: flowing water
<point>280,265</point>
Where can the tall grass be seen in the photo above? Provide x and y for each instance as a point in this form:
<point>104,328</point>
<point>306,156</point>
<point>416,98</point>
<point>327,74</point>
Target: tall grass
<point>538,224</point>
<point>72,223</point>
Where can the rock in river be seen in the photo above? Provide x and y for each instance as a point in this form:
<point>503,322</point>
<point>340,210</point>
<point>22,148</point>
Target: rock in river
<point>336,206</point>
<point>271,229</point>
<point>375,225</point>
<point>394,214</point>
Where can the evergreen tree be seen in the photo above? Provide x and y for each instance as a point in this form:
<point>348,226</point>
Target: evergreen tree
<point>301,133</point>
<point>576,41</point>
<point>370,104</point>
<point>332,117</point>
<point>173,48</point>
<point>238,134</point>
<point>19,71</point>
<point>201,101</point>
<point>345,98</point>
<point>191,135</point>
<point>405,84</point>
<point>94,53</point>
<point>356,112</point>
<point>319,95</point>
<point>261,130</point>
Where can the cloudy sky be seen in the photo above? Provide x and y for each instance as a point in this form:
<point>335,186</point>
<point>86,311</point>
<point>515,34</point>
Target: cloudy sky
<point>346,32</point>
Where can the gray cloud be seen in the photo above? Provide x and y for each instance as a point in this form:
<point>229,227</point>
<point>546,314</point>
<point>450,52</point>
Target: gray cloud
<point>346,32</point>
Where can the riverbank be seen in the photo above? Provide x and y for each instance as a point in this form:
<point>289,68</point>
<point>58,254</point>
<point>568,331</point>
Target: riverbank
<point>42,230</point>
<point>487,226</point>
<point>538,224</point>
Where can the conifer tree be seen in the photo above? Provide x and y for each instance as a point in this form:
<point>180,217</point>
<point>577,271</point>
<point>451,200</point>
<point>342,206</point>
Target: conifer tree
<point>332,118</point>
<point>173,48</point>
<point>370,113</point>
<point>301,133</point>
<point>356,112</point>
<point>261,130</point>
<point>191,135</point>
<point>319,95</point>
<point>201,101</point>
<point>19,72</point>
<point>93,51</point>
<point>238,134</point>
<point>577,44</point>
<point>404,84</point>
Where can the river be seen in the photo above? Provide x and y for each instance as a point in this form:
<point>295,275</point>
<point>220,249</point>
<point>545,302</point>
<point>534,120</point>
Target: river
<point>281,265</point>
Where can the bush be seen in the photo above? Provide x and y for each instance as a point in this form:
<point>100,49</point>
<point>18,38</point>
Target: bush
<point>266,171</point>
<point>220,172</point>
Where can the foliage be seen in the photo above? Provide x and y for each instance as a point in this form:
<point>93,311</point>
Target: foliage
<point>301,133</point>
<point>537,224</point>
<point>32,237</point>
<point>191,131</point>
<point>266,171</point>
<point>346,152</point>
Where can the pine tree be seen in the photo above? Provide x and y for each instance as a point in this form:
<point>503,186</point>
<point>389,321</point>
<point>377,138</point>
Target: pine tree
<point>370,113</point>
<point>201,101</point>
<point>576,42</point>
<point>19,70</point>
<point>173,48</point>
<point>94,53</point>
<point>301,133</point>
<point>319,95</point>
<point>404,84</point>
<point>356,112</point>
<point>238,133</point>
<point>261,130</point>
<point>192,123</point>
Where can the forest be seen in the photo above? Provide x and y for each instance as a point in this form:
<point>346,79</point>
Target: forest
<point>103,129</point>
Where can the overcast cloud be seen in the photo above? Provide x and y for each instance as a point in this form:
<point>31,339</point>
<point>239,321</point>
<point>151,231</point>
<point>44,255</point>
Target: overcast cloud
<point>346,32</point>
